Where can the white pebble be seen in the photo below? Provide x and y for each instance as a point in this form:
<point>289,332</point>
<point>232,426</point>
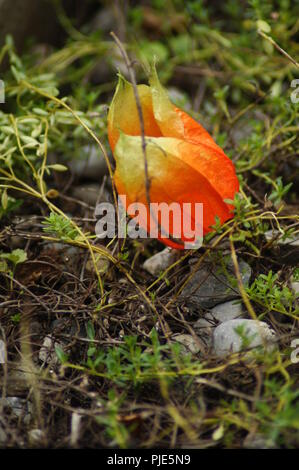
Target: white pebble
<point>227,340</point>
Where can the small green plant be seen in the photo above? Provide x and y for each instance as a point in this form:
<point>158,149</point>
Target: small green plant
<point>266,290</point>
<point>115,430</point>
<point>275,417</point>
<point>9,261</point>
<point>16,318</point>
<point>8,204</point>
<point>136,363</point>
<point>62,356</point>
<point>279,191</point>
<point>60,226</point>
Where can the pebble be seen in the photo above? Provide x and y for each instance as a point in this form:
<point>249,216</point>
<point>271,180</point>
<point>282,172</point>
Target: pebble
<point>226,340</point>
<point>160,261</point>
<point>91,166</point>
<point>36,436</point>
<point>226,311</point>
<point>103,20</point>
<point>189,343</point>
<point>221,313</point>
<point>278,237</point>
<point>63,248</point>
<point>47,353</point>
<point>17,242</point>
<point>102,263</point>
<point>20,407</point>
<point>286,250</point>
<point>88,193</point>
<point>209,287</point>
<point>17,383</point>
<point>70,255</point>
<point>67,327</point>
<point>204,329</point>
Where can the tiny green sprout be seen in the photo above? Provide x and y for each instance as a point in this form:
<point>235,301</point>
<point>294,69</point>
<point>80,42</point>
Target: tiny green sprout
<point>62,356</point>
<point>90,330</point>
<point>16,318</point>
<point>217,227</point>
<point>123,256</point>
<point>15,257</point>
<point>279,191</point>
<point>60,226</point>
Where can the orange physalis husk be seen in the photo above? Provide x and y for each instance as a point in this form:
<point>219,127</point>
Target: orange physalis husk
<point>185,165</point>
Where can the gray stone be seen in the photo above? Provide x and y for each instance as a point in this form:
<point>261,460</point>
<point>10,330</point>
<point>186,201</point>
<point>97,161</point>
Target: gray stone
<point>227,340</point>
<point>17,383</point>
<point>36,436</point>
<point>104,20</point>
<point>17,242</point>
<point>205,322</point>
<point>221,313</point>
<point>64,248</point>
<point>91,194</point>
<point>16,404</point>
<point>189,343</point>
<point>210,286</point>
<point>278,237</point>
<point>160,261</point>
<point>204,329</point>
<point>102,264</point>
<point>47,353</point>
<point>20,407</point>
<point>70,255</point>
<point>35,329</point>
<point>226,311</point>
<point>91,165</point>
<point>67,327</point>
<point>286,250</point>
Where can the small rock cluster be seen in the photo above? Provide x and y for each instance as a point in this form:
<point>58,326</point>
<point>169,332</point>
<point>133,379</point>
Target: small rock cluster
<point>223,329</point>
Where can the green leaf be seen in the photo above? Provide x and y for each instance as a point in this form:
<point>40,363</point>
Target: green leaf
<point>90,331</point>
<point>29,141</point>
<point>15,257</point>
<point>3,266</point>
<point>58,167</point>
<point>218,433</point>
<point>62,356</point>
<point>4,199</point>
<point>16,318</point>
<point>263,26</point>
